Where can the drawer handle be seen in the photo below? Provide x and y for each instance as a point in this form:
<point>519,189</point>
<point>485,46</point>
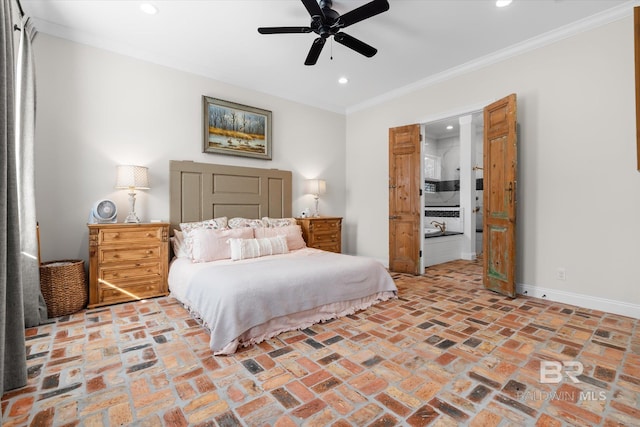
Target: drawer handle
<point>149,235</point>
<point>149,251</point>
<point>116,235</point>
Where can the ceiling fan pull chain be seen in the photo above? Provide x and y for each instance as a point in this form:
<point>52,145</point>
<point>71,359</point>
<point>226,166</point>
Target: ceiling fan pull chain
<point>331,57</point>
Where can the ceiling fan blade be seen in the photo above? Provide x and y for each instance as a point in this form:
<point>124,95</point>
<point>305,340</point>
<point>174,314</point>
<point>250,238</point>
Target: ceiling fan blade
<point>314,52</point>
<point>355,44</point>
<point>313,8</point>
<point>283,30</point>
<point>363,12</point>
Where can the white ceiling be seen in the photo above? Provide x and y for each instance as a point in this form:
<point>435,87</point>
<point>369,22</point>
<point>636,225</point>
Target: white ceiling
<point>417,40</point>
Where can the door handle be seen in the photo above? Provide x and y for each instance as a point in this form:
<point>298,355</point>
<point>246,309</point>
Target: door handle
<point>394,216</point>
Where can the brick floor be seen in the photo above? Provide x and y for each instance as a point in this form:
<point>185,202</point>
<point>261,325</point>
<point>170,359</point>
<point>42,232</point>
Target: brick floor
<point>445,353</point>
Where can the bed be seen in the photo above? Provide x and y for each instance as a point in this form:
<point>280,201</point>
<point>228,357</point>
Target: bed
<point>268,281</point>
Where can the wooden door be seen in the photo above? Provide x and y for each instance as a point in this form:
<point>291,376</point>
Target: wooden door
<point>404,199</point>
<point>500,181</point>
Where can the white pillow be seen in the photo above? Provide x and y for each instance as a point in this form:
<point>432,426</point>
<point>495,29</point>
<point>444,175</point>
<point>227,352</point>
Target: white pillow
<point>212,245</point>
<point>177,244</point>
<point>293,234</point>
<point>253,248</point>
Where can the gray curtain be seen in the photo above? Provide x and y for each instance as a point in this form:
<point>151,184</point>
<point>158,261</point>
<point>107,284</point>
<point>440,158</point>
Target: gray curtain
<point>12,351</point>
<point>35,309</point>
<point>19,285</point>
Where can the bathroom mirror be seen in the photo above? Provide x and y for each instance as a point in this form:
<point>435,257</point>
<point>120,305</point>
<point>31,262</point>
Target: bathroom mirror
<point>432,167</point>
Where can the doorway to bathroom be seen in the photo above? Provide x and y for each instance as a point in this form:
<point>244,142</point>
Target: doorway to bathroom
<point>452,156</point>
<point>407,172</point>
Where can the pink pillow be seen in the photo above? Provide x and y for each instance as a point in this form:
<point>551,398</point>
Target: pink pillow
<point>212,245</point>
<point>293,233</point>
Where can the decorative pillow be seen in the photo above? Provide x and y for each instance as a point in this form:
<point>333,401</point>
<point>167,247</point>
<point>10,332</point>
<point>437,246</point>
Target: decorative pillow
<point>253,248</point>
<point>177,244</point>
<point>245,222</point>
<point>278,222</point>
<point>188,227</point>
<point>215,224</point>
<point>293,234</point>
<point>212,245</point>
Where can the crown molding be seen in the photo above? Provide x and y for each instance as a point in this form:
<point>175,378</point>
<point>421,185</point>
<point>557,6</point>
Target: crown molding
<point>614,14</point>
<point>611,15</point>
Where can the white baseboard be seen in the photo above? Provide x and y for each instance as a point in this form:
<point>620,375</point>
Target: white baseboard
<point>470,256</point>
<point>587,301</point>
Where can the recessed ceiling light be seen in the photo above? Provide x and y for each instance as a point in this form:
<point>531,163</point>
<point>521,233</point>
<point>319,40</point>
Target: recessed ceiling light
<point>503,3</point>
<point>148,8</point>
<point>343,80</point>
<point>449,127</point>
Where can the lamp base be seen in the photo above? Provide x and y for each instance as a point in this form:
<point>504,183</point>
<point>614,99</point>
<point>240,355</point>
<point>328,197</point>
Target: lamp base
<point>316,213</point>
<point>132,217</point>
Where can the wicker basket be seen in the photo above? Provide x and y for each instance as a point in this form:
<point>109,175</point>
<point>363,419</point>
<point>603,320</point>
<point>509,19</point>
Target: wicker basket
<point>63,286</point>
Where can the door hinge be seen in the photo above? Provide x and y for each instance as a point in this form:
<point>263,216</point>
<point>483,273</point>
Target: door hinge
<point>421,192</point>
<point>420,254</point>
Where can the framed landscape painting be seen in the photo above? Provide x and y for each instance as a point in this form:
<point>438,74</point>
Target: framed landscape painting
<point>236,129</point>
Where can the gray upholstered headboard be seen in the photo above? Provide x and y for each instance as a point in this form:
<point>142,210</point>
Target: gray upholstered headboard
<point>200,191</point>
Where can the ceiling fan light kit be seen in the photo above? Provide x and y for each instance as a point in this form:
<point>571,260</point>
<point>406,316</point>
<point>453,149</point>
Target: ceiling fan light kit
<point>326,22</point>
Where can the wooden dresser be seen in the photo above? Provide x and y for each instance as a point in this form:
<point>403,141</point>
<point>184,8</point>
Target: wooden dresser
<point>127,262</point>
<point>323,232</point>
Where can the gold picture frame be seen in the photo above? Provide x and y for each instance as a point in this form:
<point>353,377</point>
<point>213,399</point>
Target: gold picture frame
<point>235,129</point>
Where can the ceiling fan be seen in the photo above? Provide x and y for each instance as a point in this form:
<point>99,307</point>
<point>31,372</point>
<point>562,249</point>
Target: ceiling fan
<point>327,22</point>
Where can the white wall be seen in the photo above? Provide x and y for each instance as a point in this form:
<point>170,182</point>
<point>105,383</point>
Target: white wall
<point>97,109</point>
<point>577,163</point>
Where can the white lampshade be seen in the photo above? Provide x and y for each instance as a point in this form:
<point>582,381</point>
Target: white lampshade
<point>315,186</point>
<point>132,177</point>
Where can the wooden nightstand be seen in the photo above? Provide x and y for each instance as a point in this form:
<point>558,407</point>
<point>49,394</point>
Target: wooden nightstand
<point>127,262</point>
<point>323,232</point>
